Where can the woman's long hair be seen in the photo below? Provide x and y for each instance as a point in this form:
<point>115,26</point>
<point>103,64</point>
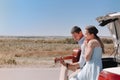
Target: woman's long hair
<point>93,30</point>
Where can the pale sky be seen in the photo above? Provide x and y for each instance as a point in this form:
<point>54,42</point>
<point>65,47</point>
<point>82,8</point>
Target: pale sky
<point>52,17</point>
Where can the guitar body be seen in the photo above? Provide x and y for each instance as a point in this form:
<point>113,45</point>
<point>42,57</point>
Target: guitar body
<point>76,55</point>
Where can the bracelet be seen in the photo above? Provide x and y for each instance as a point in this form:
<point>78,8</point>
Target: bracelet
<point>67,64</point>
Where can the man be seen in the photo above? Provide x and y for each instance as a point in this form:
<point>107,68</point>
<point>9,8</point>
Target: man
<point>79,37</point>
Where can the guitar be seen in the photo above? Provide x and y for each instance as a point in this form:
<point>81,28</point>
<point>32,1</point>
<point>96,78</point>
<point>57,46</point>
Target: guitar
<point>75,56</point>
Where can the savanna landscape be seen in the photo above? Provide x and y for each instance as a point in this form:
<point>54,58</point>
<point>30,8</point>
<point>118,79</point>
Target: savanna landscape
<point>39,51</point>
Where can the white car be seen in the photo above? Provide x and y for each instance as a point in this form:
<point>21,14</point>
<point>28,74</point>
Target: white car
<point>111,66</point>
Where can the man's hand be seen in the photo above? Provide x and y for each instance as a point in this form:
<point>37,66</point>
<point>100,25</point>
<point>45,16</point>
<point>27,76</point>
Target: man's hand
<point>62,61</point>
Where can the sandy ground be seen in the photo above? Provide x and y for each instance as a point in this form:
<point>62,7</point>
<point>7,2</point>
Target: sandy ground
<point>29,73</point>
<point>32,58</point>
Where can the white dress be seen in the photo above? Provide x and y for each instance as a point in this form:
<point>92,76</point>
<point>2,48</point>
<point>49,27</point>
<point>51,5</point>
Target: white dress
<point>92,67</point>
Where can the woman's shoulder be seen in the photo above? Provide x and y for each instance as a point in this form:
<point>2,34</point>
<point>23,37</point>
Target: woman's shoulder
<point>94,43</point>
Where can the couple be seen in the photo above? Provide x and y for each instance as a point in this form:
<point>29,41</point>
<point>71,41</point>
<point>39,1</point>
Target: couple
<point>90,63</point>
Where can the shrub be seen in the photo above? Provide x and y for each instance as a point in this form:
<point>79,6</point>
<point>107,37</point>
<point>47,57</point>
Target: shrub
<point>107,40</point>
<point>11,61</point>
<point>70,41</point>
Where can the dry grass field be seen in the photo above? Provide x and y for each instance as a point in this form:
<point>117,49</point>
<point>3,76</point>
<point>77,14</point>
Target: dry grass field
<point>38,52</point>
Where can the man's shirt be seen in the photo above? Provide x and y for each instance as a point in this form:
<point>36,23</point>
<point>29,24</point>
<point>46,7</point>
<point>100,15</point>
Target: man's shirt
<point>82,59</point>
<point>80,42</point>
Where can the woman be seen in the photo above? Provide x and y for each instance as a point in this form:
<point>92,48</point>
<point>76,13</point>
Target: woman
<point>92,54</point>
